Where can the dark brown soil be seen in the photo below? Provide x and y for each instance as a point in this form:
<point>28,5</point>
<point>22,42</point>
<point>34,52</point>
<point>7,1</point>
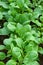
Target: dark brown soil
<point>2,37</point>
<point>41,59</point>
<point>2,22</point>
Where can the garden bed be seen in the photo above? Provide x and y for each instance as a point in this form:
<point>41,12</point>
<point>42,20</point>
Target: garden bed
<point>21,32</point>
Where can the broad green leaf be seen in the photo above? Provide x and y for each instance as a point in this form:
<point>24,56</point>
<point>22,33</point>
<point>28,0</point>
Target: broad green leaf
<point>1,15</point>
<point>10,1</point>
<point>11,27</point>
<point>31,55</point>
<point>9,18</point>
<point>41,18</point>
<point>34,33</point>
<point>5,24</point>
<point>4,5</point>
<point>1,63</point>
<point>32,63</point>
<point>26,22</point>
<point>16,52</point>
<point>37,12</point>
<point>23,18</point>
<point>2,56</point>
<point>27,2</point>
<point>11,62</point>
<point>20,2</point>
<point>40,50</point>
<point>31,46</point>
<point>37,22</point>
<point>29,37</point>
<point>12,11</point>
<point>4,31</point>
<point>2,47</point>
<point>28,9</point>
<point>42,38</point>
<point>8,41</point>
<point>19,30</point>
<point>19,42</point>
<point>27,28</point>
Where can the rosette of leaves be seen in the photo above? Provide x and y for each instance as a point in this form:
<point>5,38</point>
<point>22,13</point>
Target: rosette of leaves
<point>24,25</point>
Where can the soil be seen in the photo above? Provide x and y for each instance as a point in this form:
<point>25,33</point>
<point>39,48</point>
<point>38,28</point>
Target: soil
<point>2,37</point>
<point>2,22</point>
<point>41,59</point>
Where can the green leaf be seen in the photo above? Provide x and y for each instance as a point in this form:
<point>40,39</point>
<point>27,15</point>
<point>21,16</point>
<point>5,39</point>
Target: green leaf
<point>29,37</point>
<point>4,31</point>
<point>20,30</point>
<point>9,53</point>
<point>10,1</point>
<point>2,56</point>
<point>31,47</point>
<point>22,22</point>
<point>32,63</point>
<point>41,18</point>
<point>2,47</point>
<point>1,15</point>
<point>31,55</point>
<point>37,12</point>
<point>23,18</point>
<point>40,50</point>
<point>4,5</point>
<point>19,42</point>
<point>20,2</point>
<point>1,63</point>
<point>37,22</point>
<point>11,62</point>
<point>27,2</point>
<point>16,52</point>
<point>8,41</point>
<point>27,28</point>
<point>11,27</point>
